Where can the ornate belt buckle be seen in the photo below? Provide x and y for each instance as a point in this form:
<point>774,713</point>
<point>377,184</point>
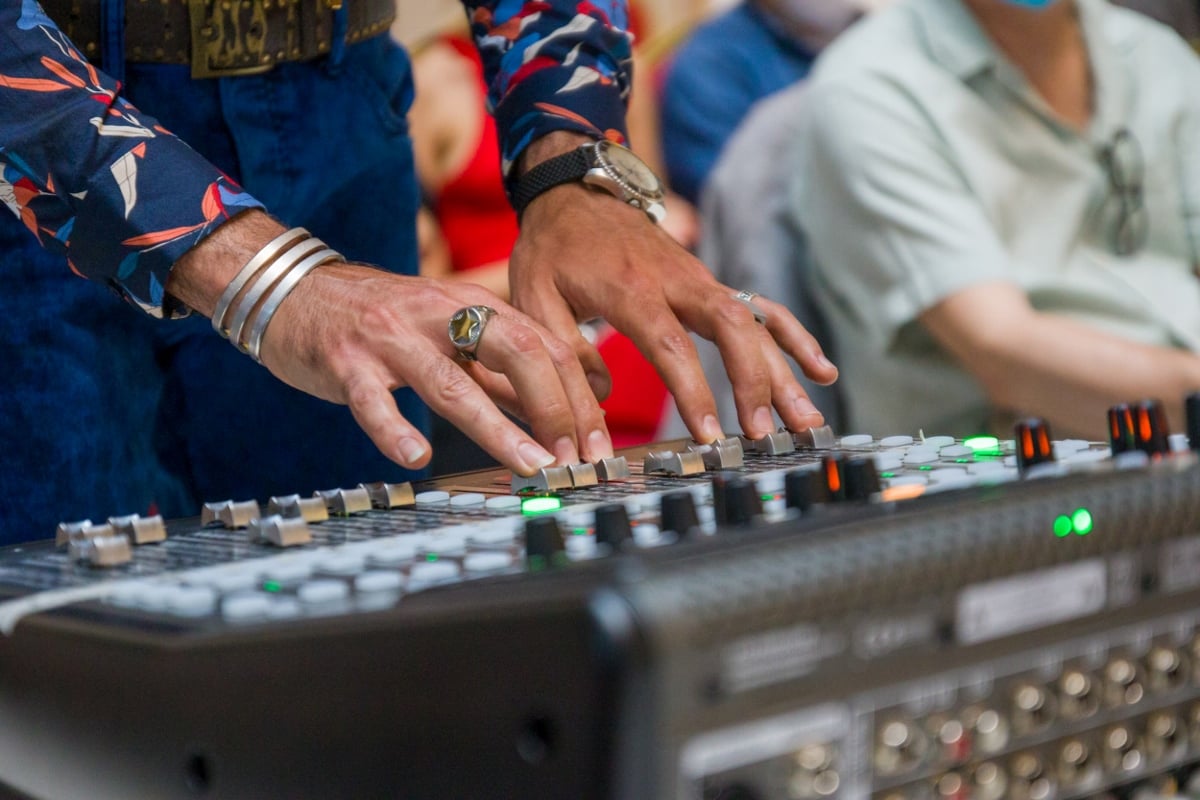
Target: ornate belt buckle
<point>229,37</point>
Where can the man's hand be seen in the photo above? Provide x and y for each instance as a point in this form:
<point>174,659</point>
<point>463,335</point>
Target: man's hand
<point>350,333</point>
<point>584,253</point>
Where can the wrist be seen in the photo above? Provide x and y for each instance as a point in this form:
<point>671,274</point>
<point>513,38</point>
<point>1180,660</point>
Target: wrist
<point>202,273</point>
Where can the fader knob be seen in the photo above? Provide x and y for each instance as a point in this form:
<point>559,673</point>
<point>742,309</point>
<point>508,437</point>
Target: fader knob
<point>612,525</point>
<point>679,514</point>
<point>1150,427</point>
<point>1191,405</point>
<point>805,488</point>
<point>1033,444</point>
<point>1121,437</point>
<point>544,545</point>
<point>735,500</point>
<point>860,477</point>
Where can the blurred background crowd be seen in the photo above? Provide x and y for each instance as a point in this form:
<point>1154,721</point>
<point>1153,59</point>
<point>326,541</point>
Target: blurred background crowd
<point>982,208</point>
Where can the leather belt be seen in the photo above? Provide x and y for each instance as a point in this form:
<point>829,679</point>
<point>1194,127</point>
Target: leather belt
<point>222,38</point>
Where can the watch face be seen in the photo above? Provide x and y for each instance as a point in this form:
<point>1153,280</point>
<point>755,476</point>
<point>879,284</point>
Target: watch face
<point>631,169</point>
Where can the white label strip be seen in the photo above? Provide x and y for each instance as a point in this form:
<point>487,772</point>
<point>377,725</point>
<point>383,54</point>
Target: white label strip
<point>1034,600</point>
<point>12,611</point>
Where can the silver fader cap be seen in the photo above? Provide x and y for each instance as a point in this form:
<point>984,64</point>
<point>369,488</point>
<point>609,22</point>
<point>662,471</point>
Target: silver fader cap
<point>344,502</point>
<point>688,462</point>
<point>309,509</point>
<point>390,495</point>
<point>773,444</point>
<point>582,475</point>
<point>140,530</point>
<point>279,531</point>
<point>615,468</point>
<point>230,514</point>
<point>546,479</point>
<point>819,438</point>
<point>67,531</point>
<point>99,546</point>
<point>721,454</point>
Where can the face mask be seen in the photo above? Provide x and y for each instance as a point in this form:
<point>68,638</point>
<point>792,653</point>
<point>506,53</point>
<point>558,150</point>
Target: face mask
<point>1037,4</point>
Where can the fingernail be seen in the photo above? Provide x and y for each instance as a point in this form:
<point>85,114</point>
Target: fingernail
<point>804,406</point>
<point>599,445</point>
<point>762,420</point>
<point>710,429</point>
<point>533,456</point>
<point>411,450</point>
<point>565,452</point>
<point>825,362</point>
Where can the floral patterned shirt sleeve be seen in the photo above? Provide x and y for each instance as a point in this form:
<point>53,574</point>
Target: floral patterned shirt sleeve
<point>90,175</point>
<point>122,198</point>
<point>554,65</point>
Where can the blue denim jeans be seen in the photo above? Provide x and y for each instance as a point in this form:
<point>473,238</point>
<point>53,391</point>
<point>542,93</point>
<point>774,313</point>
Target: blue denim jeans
<point>106,411</point>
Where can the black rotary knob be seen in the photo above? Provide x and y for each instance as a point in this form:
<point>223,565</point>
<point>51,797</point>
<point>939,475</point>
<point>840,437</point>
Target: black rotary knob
<point>612,525</point>
<point>1121,436</point>
<point>1191,405</point>
<point>735,500</point>
<point>804,489</point>
<point>544,546</point>
<point>860,477</point>
<point>1150,427</point>
<point>679,514</point>
<point>1033,443</point>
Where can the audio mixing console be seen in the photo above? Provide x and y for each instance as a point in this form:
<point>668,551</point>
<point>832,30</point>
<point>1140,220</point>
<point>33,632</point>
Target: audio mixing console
<point>803,616</point>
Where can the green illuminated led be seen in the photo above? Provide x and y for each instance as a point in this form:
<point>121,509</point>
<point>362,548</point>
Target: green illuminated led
<point>431,556</point>
<point>540,505</point>
<point>766,498</point>
<point>887,474</point>
<point>579,532</point>
<point>982,443</point>
<point>1081,521</point>
<point>272,586</point>
<point>1063,526</point>
<point>925,468</point>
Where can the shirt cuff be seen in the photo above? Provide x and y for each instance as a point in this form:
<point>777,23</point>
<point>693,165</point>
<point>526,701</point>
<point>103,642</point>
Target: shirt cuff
<point>143,213</point>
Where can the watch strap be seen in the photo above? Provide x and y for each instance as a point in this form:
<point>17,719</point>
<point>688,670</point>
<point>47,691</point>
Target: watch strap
<point>565,168</point>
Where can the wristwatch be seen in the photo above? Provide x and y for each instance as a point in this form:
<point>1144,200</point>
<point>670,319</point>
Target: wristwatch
<point>600,165</point>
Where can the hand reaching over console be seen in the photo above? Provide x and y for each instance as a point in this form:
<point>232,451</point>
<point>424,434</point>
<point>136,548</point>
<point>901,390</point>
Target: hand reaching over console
<point>584,254</point>
<point>351,334</point>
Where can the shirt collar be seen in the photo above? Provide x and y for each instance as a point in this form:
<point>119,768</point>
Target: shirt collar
<point>955,40</point>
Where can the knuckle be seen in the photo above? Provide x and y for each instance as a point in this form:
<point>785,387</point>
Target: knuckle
<point>731,312</point>
<point>450,384</point>
<point>524,340</point>
<point>677,344</point>
<point>360,393</point>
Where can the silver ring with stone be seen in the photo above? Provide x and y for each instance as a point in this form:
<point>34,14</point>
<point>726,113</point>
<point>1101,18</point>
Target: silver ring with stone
<point>466,329</point>
<point>746,298</point>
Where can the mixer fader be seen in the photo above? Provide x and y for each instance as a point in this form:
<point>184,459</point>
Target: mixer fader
<point>805,616</point>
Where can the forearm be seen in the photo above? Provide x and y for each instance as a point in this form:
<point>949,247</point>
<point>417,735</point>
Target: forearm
<point>1063,370</point>
<point>91,176</point>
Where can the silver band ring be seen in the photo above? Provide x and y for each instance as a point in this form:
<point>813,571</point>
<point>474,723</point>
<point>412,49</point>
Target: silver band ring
<point>746,298</point>
<point>466,329</point>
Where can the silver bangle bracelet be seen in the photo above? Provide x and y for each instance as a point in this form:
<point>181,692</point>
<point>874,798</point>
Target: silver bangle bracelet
<point>269,252</point>
<point>279,294</point>
<point>262,284</point>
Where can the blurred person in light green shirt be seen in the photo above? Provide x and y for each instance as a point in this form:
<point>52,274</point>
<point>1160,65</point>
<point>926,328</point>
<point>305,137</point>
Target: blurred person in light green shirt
<point>1001,202</point>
